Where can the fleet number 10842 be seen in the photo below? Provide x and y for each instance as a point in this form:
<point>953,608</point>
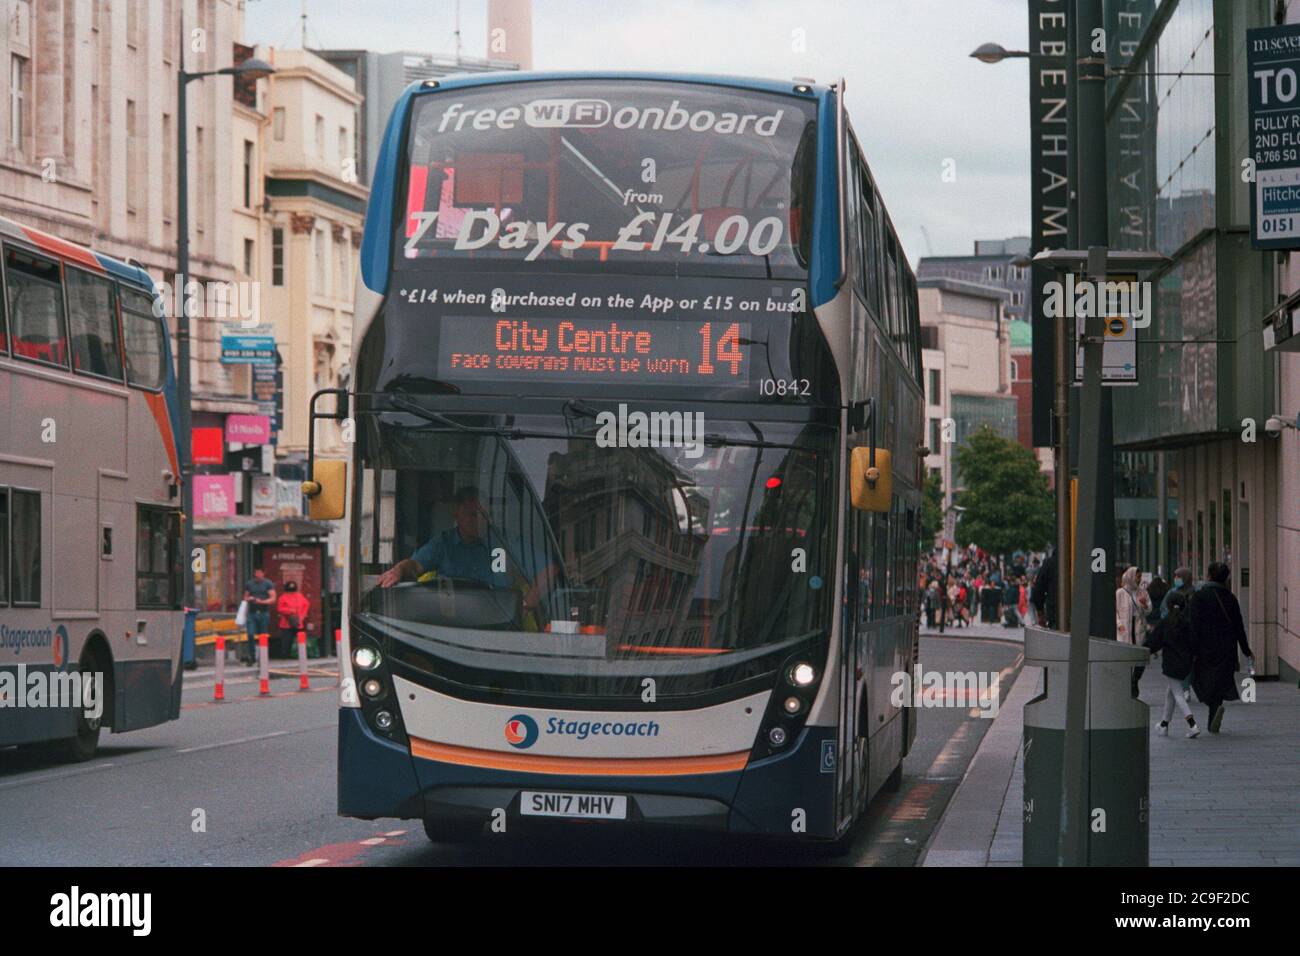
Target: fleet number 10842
<point>783,388</point>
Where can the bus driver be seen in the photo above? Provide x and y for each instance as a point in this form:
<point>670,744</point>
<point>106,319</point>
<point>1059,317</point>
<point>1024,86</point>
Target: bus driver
<point>463,551</point>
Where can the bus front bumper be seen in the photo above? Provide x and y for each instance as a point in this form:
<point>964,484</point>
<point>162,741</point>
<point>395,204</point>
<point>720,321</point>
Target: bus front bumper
<point>788,795</point>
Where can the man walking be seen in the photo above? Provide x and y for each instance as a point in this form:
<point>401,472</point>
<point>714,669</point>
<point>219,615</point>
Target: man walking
<point>259,592</point>
<point>1217,632</point>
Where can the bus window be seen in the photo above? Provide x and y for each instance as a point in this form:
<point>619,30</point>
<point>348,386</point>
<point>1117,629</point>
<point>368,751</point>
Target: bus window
<point>36,307</point>
<point>92,320</point>
<point>4,546</point>
<point>144,340</point>
<point>871,264</point>
<point>25,533</point>
<point>156,532</point>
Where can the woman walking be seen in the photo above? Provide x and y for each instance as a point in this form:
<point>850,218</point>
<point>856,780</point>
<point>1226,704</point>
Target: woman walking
<point>1217,631</point>
<point>1132,605</point>
<point>1171,638</point>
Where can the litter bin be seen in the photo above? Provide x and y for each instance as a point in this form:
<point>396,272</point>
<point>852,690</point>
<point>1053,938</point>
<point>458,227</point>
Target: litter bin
<point>1117,744</point>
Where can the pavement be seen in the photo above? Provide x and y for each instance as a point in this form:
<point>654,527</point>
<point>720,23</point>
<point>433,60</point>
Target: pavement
<point>1218,800</point>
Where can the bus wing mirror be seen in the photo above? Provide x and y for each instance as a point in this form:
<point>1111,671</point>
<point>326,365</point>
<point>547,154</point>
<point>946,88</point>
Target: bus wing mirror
<point>872,486</point>
<point>327,491</point>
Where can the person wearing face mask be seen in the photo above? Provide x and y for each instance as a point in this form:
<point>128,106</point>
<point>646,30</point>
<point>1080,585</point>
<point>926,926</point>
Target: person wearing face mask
<point>1182,584</point>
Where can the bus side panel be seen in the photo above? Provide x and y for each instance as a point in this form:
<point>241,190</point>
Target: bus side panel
<point>144,694</point>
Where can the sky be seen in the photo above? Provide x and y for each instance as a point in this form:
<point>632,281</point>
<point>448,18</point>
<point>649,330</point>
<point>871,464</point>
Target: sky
<point>917,101</point>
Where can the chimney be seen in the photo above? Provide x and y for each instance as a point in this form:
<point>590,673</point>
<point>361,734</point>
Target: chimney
<point>510,31</point>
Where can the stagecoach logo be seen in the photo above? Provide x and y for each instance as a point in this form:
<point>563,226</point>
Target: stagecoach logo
<point>521,731</point>
<point>55,638</point>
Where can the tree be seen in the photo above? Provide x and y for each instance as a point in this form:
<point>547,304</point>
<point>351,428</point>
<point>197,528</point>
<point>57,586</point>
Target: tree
<point>931,509</point>
<point>1008,506</point>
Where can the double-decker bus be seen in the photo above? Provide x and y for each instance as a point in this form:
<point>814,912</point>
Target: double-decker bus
<point>89,505</point>
<point>634,496</point>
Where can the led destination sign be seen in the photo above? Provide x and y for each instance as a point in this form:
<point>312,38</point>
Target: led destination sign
<point>596,350</point>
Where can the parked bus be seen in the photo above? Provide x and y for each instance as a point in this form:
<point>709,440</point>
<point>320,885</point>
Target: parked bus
<point>89,506</point>
<point>634,492</point>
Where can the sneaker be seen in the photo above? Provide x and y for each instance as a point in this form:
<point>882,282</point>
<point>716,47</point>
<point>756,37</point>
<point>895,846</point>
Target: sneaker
<point>1162,728</point>
<point>1217,720</point>
<point>1192,729</point>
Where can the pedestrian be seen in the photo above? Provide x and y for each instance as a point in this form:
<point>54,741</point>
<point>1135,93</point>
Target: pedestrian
<point>1217,631</point>
<point>1157,590</point>
<point>1132,605</point>
<point>1022,600</point>
<point>1043,593</point>
<point>1183,583</point>
<point>1171,638</point>
<point>1011,604</point>
<point>292,607</point>
<point>259,592</point>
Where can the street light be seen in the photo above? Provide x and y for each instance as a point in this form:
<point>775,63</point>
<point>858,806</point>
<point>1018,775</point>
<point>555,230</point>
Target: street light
<point>253,69</point>
<point>996,53</point>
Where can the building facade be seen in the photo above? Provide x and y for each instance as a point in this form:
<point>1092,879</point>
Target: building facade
<point>1198,477</point>
<point>964,329</point>
<point>993,264</point>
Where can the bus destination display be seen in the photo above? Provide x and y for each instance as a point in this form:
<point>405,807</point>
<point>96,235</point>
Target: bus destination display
<point>693,353</point>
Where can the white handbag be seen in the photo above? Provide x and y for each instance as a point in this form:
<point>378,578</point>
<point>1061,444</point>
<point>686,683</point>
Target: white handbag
<point>241,616</point>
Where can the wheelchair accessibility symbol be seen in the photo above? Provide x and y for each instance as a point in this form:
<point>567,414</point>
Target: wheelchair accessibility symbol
<point>828,756</point>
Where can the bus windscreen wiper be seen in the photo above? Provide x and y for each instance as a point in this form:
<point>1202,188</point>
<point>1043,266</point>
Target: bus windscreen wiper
<point>402,403</point>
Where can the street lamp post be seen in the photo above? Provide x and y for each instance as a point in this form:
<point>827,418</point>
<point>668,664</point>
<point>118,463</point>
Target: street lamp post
<point>252,68</point>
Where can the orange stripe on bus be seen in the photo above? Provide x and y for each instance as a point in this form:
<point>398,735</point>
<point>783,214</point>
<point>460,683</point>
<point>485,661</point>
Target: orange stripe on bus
<point>652,649</point>
<point>588,766</point>
<point>158,405</point>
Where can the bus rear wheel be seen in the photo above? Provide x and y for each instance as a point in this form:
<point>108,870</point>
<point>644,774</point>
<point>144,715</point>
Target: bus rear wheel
<point>452,829</point>
<point>82,747</point>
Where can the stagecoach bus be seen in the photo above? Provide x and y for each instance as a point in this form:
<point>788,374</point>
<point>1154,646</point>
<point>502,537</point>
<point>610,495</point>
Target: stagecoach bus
<point>89,505</point>
<point>633,496</point>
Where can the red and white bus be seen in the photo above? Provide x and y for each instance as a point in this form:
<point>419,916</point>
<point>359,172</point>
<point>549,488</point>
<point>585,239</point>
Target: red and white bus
<point>89,497</point>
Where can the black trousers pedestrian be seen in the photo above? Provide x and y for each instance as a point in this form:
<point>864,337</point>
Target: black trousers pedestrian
<point>1137,678</point>
<point>1214,703</point>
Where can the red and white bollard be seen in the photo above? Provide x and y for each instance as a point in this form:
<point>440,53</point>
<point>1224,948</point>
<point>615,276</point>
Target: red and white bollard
<point>263,665</point>
<point>302,661</point>
<point>219,688</point>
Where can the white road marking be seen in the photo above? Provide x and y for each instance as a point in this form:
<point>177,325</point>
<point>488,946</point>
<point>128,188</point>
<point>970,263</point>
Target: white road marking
<point>231,743</point>
<point>373,841</point>
<point>316,862</point>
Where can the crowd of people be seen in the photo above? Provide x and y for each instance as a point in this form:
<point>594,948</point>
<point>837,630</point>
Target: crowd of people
<point>982,587</point>
<point>1196,629</point>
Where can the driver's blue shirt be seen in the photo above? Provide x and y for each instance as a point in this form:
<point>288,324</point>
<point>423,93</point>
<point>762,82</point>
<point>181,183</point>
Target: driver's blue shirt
<point>453,557</point>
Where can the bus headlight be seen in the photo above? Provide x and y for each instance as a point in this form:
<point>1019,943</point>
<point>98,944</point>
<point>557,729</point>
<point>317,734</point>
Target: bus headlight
<point>793,705</point>
<point>803,675</point>
<point>372,688</point>
<point>776,736</point>
<point>384,720</point>
<point>366,658</point>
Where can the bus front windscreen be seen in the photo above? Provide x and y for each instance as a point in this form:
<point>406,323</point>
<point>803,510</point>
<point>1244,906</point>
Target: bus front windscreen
<point>650,176</point>
<point>522,535</point>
